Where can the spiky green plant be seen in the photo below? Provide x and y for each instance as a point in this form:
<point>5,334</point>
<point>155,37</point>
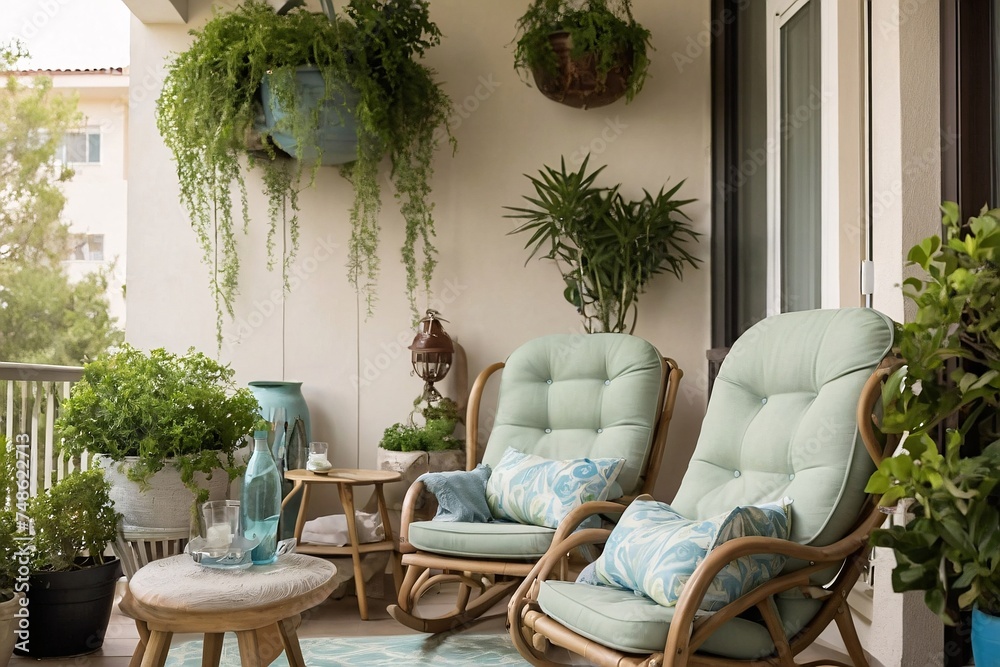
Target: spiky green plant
<point>606,247</point>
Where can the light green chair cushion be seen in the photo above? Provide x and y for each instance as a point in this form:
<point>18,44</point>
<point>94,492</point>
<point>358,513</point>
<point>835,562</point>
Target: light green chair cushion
<point>481,540</point>
<point>782,421</point>
<point>628,622</point>
<point>580,396</point>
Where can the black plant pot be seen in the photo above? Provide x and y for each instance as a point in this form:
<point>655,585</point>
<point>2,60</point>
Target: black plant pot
<point>68,612</point>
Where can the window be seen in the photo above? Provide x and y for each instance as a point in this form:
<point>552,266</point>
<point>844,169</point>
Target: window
<point>788,159</point>
<point>80,147</point>
<point>87,247</point>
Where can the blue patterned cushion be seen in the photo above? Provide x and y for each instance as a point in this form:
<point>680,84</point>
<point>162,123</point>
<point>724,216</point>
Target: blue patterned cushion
<point>654,551</point>
<point>461,494</point>
<point>530,489</point>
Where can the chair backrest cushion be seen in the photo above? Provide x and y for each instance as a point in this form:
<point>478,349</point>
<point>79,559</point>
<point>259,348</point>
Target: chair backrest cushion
<point>571,396</point>
<point>782,421</point>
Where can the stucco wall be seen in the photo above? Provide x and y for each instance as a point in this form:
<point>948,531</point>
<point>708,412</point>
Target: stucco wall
<point>356,371</point>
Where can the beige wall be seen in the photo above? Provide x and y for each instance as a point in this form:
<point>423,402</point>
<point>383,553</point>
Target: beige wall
<point>356,371</point>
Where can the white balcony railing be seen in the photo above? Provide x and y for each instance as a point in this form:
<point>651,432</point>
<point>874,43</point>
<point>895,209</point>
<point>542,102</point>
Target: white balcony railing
<point>30,396</point>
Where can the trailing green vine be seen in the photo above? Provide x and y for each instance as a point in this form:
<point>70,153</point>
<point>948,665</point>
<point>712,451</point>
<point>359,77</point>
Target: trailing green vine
<point>209,114</point>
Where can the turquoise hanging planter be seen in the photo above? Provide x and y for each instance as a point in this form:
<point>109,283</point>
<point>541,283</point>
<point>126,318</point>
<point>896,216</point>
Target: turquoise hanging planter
<point>337,134</point>
<point>985,639</point>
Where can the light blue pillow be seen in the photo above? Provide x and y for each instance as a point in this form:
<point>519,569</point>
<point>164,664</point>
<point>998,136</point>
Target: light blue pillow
<point>525,488</point>
<point>654,551</point>
<point>461,494</point>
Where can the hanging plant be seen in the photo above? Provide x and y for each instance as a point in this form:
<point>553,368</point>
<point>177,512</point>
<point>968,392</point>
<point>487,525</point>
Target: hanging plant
<point>210,115</point>
<point>583,53</point>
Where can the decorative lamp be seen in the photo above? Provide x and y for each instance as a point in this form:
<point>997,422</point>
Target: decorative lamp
<point>431,354</point>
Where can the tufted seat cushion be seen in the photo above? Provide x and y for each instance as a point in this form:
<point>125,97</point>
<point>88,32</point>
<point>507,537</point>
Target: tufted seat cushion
<point>635,624</point>
<point>580,396</point>
<point>782,422</point>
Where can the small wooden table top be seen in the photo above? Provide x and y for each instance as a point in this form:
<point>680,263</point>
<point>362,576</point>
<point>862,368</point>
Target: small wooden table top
<point>346,479</point>
<point>354,476</point>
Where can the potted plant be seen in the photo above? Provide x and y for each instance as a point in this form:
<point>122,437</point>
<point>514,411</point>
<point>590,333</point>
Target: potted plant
<point>70,595</point>
<point>425,443</point>
<point>163,423</point>
<point>945,488</point>
<point>210,114</point>
<point>583,53</point>
<point>606,247</point>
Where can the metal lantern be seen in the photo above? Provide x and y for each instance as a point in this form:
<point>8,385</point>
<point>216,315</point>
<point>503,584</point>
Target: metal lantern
<point>431,353</point>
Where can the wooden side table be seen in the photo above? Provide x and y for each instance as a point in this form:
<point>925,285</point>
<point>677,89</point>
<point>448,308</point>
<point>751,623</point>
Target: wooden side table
<point>264,601</point>
<point>346,479</point>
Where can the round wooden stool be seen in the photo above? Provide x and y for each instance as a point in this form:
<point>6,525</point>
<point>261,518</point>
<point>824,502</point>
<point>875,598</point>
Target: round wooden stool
<point>259,604</point>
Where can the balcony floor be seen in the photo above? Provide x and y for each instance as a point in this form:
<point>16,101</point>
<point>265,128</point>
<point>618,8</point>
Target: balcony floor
<point>332,618</point>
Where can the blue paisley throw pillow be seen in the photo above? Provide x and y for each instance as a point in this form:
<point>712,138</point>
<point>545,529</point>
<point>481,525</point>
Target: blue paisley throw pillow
<point>530,489</point>
<point>654,551</point>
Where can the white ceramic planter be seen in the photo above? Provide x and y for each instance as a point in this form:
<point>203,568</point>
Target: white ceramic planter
<point>165,504</point>
<point>412,465</point>
<point>8,624</point>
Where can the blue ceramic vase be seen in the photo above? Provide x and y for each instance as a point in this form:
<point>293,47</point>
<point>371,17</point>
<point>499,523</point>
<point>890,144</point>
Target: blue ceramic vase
<point>272,395</point>
<point>288,395</point>
<point>985,639</point>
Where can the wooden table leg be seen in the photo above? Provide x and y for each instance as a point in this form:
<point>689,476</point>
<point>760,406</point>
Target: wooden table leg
<point>347,500</point>
<point>140,647</point>
<point>270,643</point>
<point>300,520</point>
<point>249,648</point>
<point>394,556</point>
<point>211,652</point>
<point>290,638</point>
<point>157,648</point>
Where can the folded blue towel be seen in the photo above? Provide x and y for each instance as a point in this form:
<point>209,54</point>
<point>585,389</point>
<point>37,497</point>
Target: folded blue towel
<point>461,494</point>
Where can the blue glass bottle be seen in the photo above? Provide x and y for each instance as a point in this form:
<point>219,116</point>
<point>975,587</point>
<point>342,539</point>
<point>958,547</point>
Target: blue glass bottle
<point>260,503</point>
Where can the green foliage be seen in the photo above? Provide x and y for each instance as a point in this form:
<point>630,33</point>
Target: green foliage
<point>951,379</point>
<point>31,199</point>
<point>75,516</point>
<point>607,248</point>
<point>8,518</point>
<point>209,106</point>
<point>47,319</point>
<point>44,317</point>
<point>605,28</point>
<point>159,406</point>
<point>440,419</point>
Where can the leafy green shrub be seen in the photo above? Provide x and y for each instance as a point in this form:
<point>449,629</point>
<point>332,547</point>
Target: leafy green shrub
<point>158,407</point>
<point>75,516</point>
<point>8,519</point>
<point>952,379</point>
<point>440,420</point>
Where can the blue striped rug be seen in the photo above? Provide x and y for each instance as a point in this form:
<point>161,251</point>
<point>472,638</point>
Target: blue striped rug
<point>453,650</point>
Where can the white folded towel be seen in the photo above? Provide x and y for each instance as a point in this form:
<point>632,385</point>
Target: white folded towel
<point>332,530</point>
